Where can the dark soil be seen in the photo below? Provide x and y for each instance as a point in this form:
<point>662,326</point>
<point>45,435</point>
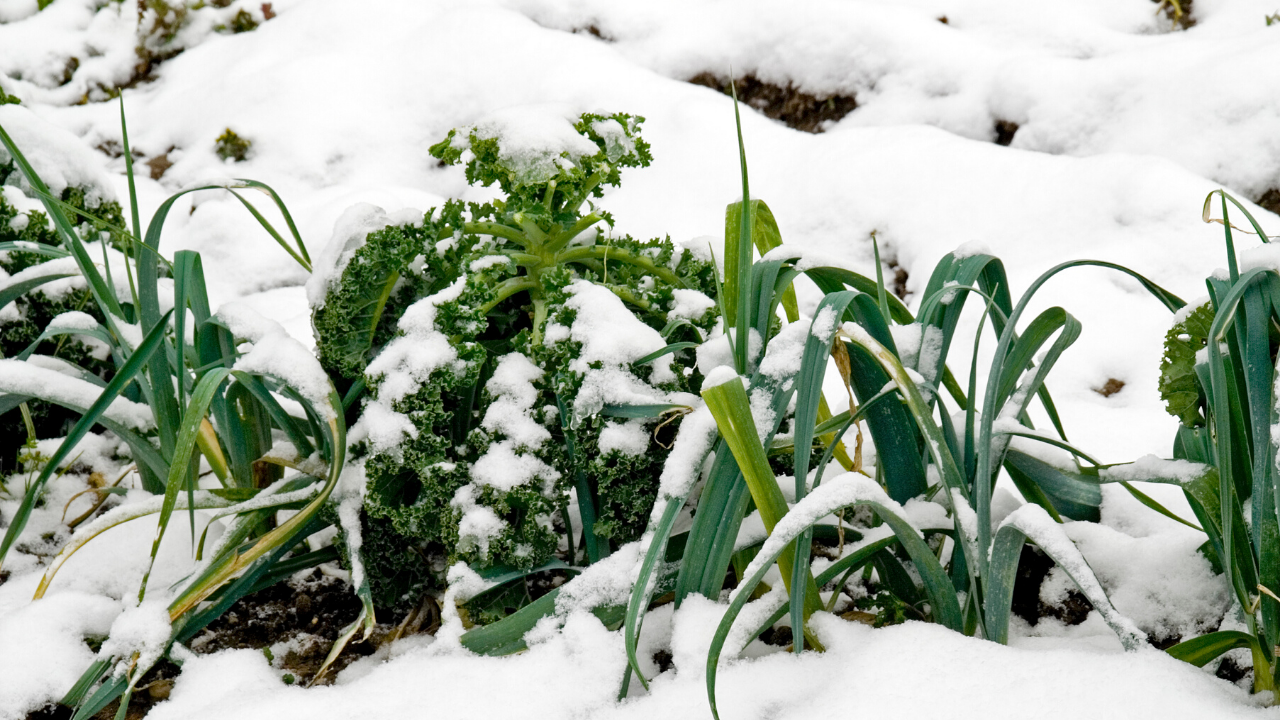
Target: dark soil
<point>1231,672</point>
<point>310,612</point>
<point>796,109</point>
<point>595,32</point>
<point>153,688</point>
<point>159,165</point>
<point>1270,200</point>
<point>1033,567</point>
<point>777,636</point>
<point>1111,387</point>
<point>663,660</point>
<point>1005,131</point>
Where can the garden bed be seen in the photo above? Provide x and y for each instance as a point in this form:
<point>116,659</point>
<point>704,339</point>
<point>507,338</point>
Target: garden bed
<point>490,404</point>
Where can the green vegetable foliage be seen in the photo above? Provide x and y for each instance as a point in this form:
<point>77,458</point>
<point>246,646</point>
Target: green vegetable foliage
<point>465,331</point>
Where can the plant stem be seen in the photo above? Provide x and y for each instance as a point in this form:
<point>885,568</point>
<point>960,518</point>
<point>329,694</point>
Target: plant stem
<point>497,230</point>
<point>557,243</point>
<point>595,253</point>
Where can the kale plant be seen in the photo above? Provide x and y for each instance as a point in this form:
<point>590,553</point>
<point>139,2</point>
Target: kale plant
<point>1180,388</point>
<point>509,351</point>
<point>22,322</point>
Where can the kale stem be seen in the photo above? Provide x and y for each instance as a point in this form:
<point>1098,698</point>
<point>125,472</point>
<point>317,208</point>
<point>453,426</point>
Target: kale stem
<point>549,196</point>
<point>531,231</point>
<point>539,317</point>
<point>591,184</point>
<point>615,254</point>
<point>497,230</point>
<point>524,259</point>
<point>627,296</point>
<point>506,289</point>
<point>557,243</point>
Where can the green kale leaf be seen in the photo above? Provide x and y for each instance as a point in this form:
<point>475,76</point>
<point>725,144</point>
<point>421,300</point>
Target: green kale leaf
<point>1179,387</point>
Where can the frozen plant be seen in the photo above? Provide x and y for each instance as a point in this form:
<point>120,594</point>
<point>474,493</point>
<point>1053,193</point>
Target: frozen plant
<point>28,241</point>
<point>1218,377</point>
<point>511,352</point>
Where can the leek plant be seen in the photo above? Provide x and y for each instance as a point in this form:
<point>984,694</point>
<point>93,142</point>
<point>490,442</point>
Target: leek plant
<point>900,401</point>
<point>1219,376</point>
<point>209,400</point>
<point>966,576</point>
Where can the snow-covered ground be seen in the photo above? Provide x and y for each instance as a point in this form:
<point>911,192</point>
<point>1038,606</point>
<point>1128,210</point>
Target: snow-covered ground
<point>1123,126</point>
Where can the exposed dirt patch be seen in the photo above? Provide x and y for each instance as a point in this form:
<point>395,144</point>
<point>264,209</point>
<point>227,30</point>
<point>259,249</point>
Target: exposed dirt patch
<point>1005,131</point>
<point>1231,672</point>
<point>152,689</point>
<point>595,32</point>
<point>295,623</point>
<point>1109,388</point>
<point>1033,567</point>
<point>300,619</point>
<point>777,636</point>
<point>663,660</point>
<point>795,108</point>
<point>1270,200</point>
<point>159,165</point>
<point>896,279</point>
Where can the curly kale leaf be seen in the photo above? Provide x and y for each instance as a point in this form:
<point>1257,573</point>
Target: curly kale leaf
<point>545,184</point>
<point>467,455</point>
<point>26,318</point>
<point>1179,387</point>
<point>386,274</point>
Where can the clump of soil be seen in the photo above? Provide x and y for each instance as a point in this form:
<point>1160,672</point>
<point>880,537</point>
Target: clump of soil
<point>595,32</point>
<point>777,636</point>
<point>1230,671</point>
<point>1005,131</point>
<point>296,622</point>
<point>1270,200</point>
<point>796,109</point>
<point>1033,567</point>
<point>303,617</point>
<point>159,165</point>
<point>1111,387</point>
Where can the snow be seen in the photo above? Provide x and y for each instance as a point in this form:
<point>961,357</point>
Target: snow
<point>142,630</point>
<point>277,354</point>
<point>785,352</point>
<point>407,361</point>
<point>58,157</point>
<point>28,378</point>
<point>907,339</point>
<point>1150,468</point>
<point>628,438</point>
<point>698,432</point>
<point>53,653</point>
<point>1124,125</point>
<point>534,140</point>
<point>838,492</point>
<point>514,398</point>
<point>720,375</point>
<point>689,305</point>
<point>612,338</point>
<point>349,233</point>
<point>1035,523</point>
<point>74,320</point>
